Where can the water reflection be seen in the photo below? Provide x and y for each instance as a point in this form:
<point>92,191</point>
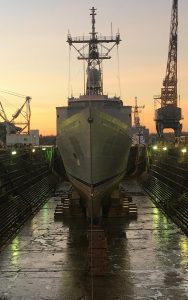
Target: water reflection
<point>160,223</point>
<point>34,226</point>
<point>165,233</point>
<point>15,247</point>
<point>183,243</point>
<point>118,279</point>
<point>45,213</point>
<point>171,253</point>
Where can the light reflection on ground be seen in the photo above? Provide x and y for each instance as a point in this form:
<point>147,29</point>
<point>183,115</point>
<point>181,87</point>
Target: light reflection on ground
<point>147,258</point>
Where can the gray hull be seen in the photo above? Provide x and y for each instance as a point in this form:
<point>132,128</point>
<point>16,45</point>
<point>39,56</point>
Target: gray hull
<point>94,147</point>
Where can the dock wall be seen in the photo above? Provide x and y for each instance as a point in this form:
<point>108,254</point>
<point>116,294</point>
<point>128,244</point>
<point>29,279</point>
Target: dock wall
<point>26,180</point>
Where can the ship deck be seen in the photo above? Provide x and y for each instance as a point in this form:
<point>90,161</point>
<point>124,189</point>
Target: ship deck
<point>147,257</point>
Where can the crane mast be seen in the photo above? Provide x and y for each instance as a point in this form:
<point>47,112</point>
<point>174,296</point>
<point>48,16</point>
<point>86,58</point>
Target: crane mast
<point>169,114</point>
<point>169,90</point>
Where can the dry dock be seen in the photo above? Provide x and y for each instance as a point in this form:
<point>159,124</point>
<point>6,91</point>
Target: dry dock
<point>147,258</point>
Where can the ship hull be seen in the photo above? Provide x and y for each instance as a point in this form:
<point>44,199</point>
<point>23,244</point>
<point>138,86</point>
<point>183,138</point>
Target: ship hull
<point>94,147</point>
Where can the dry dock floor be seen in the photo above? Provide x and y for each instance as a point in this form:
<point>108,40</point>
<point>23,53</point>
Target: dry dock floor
<point>147,258</point>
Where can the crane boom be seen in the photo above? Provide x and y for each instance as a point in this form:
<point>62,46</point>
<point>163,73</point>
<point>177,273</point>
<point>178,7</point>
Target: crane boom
<point>2,113</point>
<point>169,90</point>
<point>24,111</point>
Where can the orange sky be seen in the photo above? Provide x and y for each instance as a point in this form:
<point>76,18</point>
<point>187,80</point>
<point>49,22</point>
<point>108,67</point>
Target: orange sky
<point>34,54</point>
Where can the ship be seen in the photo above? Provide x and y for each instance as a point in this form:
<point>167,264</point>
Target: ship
<point>94,130</point>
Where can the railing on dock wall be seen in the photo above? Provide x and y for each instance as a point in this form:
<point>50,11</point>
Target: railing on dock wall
<point>167,181</point>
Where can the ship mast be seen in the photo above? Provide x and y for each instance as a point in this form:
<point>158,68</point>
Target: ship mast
<point>93,58</point>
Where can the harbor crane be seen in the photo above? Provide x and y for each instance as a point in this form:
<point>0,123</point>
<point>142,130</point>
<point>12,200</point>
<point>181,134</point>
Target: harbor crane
<point>169,114</point>
<point>24,111</point>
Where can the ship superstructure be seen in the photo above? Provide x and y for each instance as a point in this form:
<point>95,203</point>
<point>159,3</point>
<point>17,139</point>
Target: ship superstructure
<point>93,131</point>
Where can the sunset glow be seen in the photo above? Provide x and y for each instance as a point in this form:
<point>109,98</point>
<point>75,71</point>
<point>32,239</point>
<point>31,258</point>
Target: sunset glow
<point>35,56</point>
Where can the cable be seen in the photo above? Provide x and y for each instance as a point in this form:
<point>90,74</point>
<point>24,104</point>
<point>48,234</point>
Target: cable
<point>118,70</point>
<point>92,281</point>
<point>69,72</point>
<point>12,93</point>
<point>91,198</point>
<point>84,69</point>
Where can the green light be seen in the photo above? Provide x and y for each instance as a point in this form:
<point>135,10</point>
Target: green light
<point>156,214</point>
<point>49,154</point>
<point>43,149</point>
<point>164,148</point>
<point>14,152</point>
<point>184,150</point>
<point>155,147</point>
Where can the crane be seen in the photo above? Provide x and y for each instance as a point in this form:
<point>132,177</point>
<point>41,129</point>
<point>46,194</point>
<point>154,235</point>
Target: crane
<point>24,111</point>
<point>169,114</point>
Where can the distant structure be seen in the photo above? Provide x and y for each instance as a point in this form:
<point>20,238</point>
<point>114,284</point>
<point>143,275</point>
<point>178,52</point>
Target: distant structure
<point>32,138</point>
<point>140,134</point>
<point>169,114</point>
<point>137,110</point>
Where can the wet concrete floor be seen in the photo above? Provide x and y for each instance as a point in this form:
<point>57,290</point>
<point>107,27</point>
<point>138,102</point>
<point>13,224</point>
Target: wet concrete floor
<point>147,258</point>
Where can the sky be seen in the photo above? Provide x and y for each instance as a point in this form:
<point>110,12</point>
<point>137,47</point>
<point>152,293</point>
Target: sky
<point>34,55</point>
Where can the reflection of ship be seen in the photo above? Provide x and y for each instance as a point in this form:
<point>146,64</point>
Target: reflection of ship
<point>93,132</point>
